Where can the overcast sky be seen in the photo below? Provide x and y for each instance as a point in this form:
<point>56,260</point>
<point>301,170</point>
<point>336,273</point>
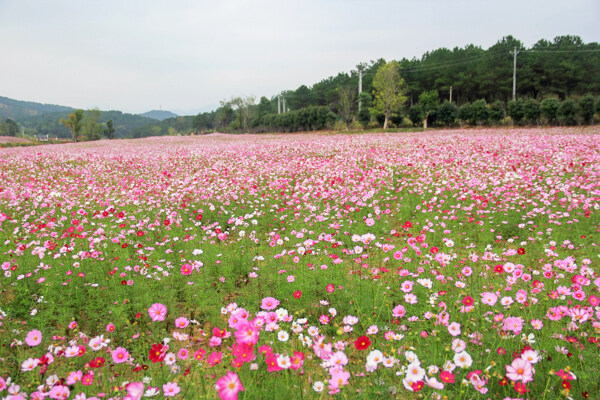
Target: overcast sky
<point>185,56</point>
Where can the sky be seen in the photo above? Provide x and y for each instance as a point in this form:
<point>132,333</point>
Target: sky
<point>186,56</point>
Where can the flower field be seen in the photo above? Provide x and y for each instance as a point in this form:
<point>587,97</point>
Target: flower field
<point>440,265</point>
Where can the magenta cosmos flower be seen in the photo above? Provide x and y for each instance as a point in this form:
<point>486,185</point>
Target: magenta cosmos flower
<point>269,303</point>
<point>229,386</point>
<point>33,338</point>
<point>119,355</point>
<point>157,312</point>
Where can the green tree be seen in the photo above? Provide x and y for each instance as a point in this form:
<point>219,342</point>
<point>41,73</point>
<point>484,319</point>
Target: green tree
<point>428,101</point>
<point>515,110</point>
<point>224,115</point>
<point>109,131</point>
<point>11,127</point>
<point>346,96</point>
<point>549,108</point>
<point>465,113</point>
<point>74,123</point>
<point>566,112</point>
<point>364,116</point>
<point>480,112</point>
<point>531,111</point>
<point>243,107</point>
<point>91,129</point>
<point>446,113</point>
<point>415,114</point>
<point>388,91</point>
<point>496,112</point>
<point>586,109</point>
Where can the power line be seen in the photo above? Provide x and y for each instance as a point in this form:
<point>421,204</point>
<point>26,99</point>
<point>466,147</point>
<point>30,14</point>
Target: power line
<point>562,51</point>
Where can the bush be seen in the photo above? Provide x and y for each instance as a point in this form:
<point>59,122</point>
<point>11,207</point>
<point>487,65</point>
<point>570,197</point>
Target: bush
<point>566,112</point>
<point>415,114</point>
<point>515,110</point>
<point>531,111</point>
<point>496,112</point>
<point>446,113</point>
<point>364,116</point>
<point>549,107</point>
<point>480,112</point>
<point>586,109</point>
<point>465,112</point>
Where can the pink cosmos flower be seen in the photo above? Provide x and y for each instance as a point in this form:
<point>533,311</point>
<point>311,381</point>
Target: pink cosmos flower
<point>33,338</point>
<point>182,322</point>
<point>399,311</point>
<point>269,303</point>
<point>135,391</point>
<point>246,333</point>
<point>171,389</point>
<point>454,329</point>
<point>228,386</point>
<point>157,312</point>
<point>183,354</point>
<point>214,358</point>
<point>59,392</point>
<point>520,370</point>
<point>119,355</point>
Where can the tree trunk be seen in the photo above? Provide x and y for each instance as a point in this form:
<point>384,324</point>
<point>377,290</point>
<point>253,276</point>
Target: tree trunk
<point>385,123</point>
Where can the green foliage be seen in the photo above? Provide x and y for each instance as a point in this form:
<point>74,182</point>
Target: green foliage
<point>388,93</point>
<point>496,112</point>
<point>109,130</point>
<point>567,112</point>
<point>346,104</point>
<point>306,119</point>
<point>549,108</point>
<point>515,110</point>
<point>91,129</point>
<point>531,111</point>
<point>480,112</point>
<point>465,112</point>
<point>586,109</point>
<point>446,113</point>
<point>364,115</point>
<point>428,101</point>
<point>74,123</point>
<point>10,128</point>
<point>416,114</point>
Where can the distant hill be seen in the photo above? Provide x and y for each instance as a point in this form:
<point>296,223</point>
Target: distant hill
<point>159,114</point>
<point>17,109</point>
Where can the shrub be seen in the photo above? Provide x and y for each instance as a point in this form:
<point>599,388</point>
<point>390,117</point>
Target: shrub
<point>480,112</point>
<point>586,109</point>
<point>446,113</point>
<point>496,112</point>
<point>566,112</point>
<point>415,114</point>
<point>531,111</point>
<point>515,110</point>
<point>549,107</point>
<point>465,112</point>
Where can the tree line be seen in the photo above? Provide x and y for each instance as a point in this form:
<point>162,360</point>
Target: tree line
<point>556,84</point>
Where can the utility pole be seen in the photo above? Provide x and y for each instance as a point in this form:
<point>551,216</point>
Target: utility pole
<point>278,104</point>
<point>450,94</point>
<point>284,109</point>
<point>515,75</point>
<point>359,86</point>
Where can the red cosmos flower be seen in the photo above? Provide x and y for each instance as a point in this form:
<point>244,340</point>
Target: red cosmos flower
<point>362,343</point>
<point>521,250</point>
<point>566,385</point>
<point>199,217</point>
<point>434,250</point>
<point>140,233</point>
<point>97,362</point>
<point>499,269</point>
<point>521,388</point>
<point>157,353</point>
<point>330,288</point>
<point>447,377</point>
<point>503,381</point>
<point>167,222</point>
<point>417,386</point>
<point>467,301</point>
<point>298,294</point>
